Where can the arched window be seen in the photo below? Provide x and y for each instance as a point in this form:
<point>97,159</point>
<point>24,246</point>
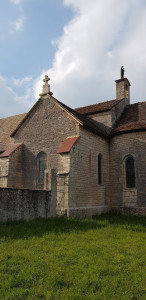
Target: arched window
<point>41,166</point>
<point>130,172</point>
<point>100,169</point>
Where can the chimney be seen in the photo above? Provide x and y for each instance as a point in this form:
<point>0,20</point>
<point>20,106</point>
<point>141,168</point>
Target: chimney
<point>122,87</point>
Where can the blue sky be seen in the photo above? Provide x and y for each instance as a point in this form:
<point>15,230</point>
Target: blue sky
<point>79,44</point>
<point>27,30</point>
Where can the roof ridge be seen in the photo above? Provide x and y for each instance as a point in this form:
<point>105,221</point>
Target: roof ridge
<point>98,107</point>
<point>95,104</point>
<point>95,127</point>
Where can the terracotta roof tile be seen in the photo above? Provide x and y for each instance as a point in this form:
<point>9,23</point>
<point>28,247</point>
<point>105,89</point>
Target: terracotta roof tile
<point>132,119</point>
<point>96,108</point>
<point>7,125</point>
<point>67,144</point>
<point>10,150</point>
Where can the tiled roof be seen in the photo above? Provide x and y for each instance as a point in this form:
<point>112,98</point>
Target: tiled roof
<point>90,124</point>
<point>67,144</point>
<point>96,108</point>
<point>7,125</point>
<point>10,150</point>
<point>132,119</point>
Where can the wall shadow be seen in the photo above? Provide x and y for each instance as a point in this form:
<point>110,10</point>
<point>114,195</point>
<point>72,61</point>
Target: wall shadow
<point>40,227</point>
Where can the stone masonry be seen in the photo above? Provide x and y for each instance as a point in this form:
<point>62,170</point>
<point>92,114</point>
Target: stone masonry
<point>47,126</point>
<point>92,159</point>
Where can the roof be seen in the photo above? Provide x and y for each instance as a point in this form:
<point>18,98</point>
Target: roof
<point>133,118</point>
<point>34,106</point>
<point>67,144</point>
<point>10,150</point>
<point>90,124</point>
<point>7,125</point>
<point>97,108</point>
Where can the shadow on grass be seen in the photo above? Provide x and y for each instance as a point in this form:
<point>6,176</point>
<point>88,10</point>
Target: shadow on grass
<point>40,227</point>
<point>119,219</point>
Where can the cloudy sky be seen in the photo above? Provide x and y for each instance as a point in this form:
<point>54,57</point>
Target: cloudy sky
<point>79,44</point>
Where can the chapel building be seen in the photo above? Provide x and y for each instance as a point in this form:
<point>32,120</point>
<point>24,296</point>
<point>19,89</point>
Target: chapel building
<point>98,153</point>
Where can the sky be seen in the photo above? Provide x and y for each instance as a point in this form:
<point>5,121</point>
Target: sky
<point>80,44</point>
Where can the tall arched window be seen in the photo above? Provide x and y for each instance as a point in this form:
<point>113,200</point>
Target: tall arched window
<point>130,172</point>
<point>100,169</point>
<point>41,166</point>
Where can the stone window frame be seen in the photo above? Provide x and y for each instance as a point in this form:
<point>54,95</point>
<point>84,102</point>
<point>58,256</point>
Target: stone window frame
<point>124,173</point>
<point>100,169</point>
<point>38,158</point>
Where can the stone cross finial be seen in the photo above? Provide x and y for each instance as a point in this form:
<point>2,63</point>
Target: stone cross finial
<point>46,79</point>
<point>46,86</point>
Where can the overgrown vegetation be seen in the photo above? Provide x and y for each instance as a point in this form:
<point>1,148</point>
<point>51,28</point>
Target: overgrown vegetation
<point>102,258</point>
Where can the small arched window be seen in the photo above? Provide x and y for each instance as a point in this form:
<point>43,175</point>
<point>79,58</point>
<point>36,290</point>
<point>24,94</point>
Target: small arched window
<point>100,169</point>
<point>130,172</point>
<point>41,166</point>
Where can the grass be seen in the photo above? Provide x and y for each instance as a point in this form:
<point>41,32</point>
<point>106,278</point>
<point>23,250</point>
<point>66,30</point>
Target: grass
<point>101,258</point>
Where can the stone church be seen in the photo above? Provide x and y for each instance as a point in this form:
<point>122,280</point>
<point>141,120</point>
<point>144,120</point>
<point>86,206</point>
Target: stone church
<point>98,153</point>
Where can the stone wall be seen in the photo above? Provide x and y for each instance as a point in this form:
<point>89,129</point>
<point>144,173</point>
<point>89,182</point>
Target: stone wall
<point>122,89</point>
<point>15,176</point>
<point>109,118</point>
<point>129,211</point>
<point>24,204</point>
<point>117,110</point>
<point>63,183</point>
<point>11,167</point>
<point>85,196</point>
<point>4,169</point>
<point>133,143</point>
<point>17,204</point>
<point>44,130</point>
<point>103,117</point>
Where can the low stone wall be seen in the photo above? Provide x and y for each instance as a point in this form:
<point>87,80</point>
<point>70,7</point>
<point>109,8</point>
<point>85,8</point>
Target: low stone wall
<point>86,212</point>
<point>129,211</point>
<point>24,204</point>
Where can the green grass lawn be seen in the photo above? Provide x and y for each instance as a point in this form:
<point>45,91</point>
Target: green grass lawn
<point>100,258</point>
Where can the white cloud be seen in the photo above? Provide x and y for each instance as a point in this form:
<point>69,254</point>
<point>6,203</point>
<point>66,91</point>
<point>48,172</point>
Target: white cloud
<point>16,2</point>
<point>103,36</point>
<point>21,81</point>
<point>11,102</point>
<point>17,25</point>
